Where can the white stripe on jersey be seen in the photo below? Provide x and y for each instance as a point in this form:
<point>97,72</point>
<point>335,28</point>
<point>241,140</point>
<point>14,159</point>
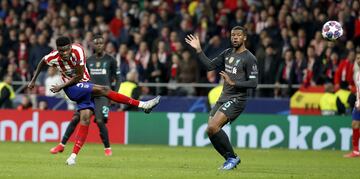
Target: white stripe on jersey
<point>357,84</point>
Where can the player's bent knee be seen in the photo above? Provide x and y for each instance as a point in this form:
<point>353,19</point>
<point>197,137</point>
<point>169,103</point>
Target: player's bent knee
<point>211,129</point>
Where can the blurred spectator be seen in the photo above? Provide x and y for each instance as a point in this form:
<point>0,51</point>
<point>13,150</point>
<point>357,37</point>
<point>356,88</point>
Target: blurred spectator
<point>115,25</point>
<point>36,54</point>
<point>43,105</point>
<point>162,54</point>
<point>3,66</point>
<point>331,65</point>
<point>143,55</point>
<point>131,64</point>
<point>283,75</point>
<point>267,70</point>
<point>297,71</point>
<point>131,89</point>
<point>330,104</point>
<point>25,104</point>
<point>156,73</point>
<point>312,73</point>
<point>7,93</point>
<point>188,73</point>
<point>174,75</point>
<point>23,71</point>
<point>346,97</point>
<point>344,72</point>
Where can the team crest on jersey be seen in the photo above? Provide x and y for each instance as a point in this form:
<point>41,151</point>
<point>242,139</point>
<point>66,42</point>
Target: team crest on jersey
<point>98,64</point>
<point>231,59</point>
<point>227,58</point>
<point>254,68</point>
<point>237,62</point>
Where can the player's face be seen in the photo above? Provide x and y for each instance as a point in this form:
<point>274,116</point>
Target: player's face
<point>65,52</point>
<point>237,38</point>
<point>99,45</point>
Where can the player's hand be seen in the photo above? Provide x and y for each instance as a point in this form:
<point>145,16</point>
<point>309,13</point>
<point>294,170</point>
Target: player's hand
<point>227,78</point>
<point>31,84</point>
<point>194,42</point>
<point>55,88</point>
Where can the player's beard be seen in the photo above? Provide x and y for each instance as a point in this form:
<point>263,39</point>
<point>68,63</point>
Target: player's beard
<point>238,45</point>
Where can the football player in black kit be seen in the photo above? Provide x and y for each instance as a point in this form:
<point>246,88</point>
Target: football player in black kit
<point>239,71</point>
<point>102,68</point>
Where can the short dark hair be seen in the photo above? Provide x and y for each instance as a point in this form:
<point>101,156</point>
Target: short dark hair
<point>98,36</point>
<point>62,41</point>
<point>240,28</point>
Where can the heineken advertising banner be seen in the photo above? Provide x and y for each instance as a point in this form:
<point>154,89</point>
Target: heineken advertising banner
<point>253,131</point>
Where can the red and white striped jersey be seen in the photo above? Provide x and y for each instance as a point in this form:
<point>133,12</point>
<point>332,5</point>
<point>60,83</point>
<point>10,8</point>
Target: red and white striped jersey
<point>67,67</point>
<point>357,83</point>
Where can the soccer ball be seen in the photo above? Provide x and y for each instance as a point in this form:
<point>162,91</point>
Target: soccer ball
<point>332,30</point>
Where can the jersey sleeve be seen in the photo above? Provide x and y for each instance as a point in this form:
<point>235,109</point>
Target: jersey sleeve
<point>251,74</point>
<point>50,58</point>
<point>212,64</point>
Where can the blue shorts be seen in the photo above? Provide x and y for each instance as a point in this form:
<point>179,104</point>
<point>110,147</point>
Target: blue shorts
<point>356,115</point>
<point>81,94</point>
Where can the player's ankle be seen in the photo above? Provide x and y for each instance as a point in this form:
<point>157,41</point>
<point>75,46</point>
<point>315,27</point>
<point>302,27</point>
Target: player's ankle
<point>141,104</point>
<point>73,155</point>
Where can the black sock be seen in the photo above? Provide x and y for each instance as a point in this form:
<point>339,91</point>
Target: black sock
<point>70,128</point>
<point>222,144</point>
<point>104,134</point>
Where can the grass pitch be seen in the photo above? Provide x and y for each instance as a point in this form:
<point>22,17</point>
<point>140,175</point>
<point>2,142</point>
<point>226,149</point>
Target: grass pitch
<point>33,160</point>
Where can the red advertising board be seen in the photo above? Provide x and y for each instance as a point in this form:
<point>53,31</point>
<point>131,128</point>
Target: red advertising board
<point>49,126</point>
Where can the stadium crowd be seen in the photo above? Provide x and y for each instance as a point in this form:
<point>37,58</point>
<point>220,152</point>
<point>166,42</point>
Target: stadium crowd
<point>147,36</point>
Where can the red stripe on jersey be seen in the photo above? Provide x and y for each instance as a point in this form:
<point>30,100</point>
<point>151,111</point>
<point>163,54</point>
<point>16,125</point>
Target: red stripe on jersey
<point>70,64</point>
<point>61,64</point>
<point>52,57</point>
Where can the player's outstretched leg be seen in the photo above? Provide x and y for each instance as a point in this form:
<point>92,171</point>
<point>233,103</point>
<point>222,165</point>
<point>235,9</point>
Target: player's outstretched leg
<point>147,106</point>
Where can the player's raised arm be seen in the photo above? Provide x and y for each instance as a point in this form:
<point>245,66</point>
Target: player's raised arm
<point>194,42</point>
<point>36,74</point>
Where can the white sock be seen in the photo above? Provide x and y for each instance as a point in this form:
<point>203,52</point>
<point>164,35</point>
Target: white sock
<point>62,144</point>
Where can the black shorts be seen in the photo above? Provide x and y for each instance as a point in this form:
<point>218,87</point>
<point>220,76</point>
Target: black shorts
<point>101,108</point>
<point>232,108</point>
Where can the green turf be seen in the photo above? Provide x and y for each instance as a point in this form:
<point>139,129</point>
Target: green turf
<point>33,160</point>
